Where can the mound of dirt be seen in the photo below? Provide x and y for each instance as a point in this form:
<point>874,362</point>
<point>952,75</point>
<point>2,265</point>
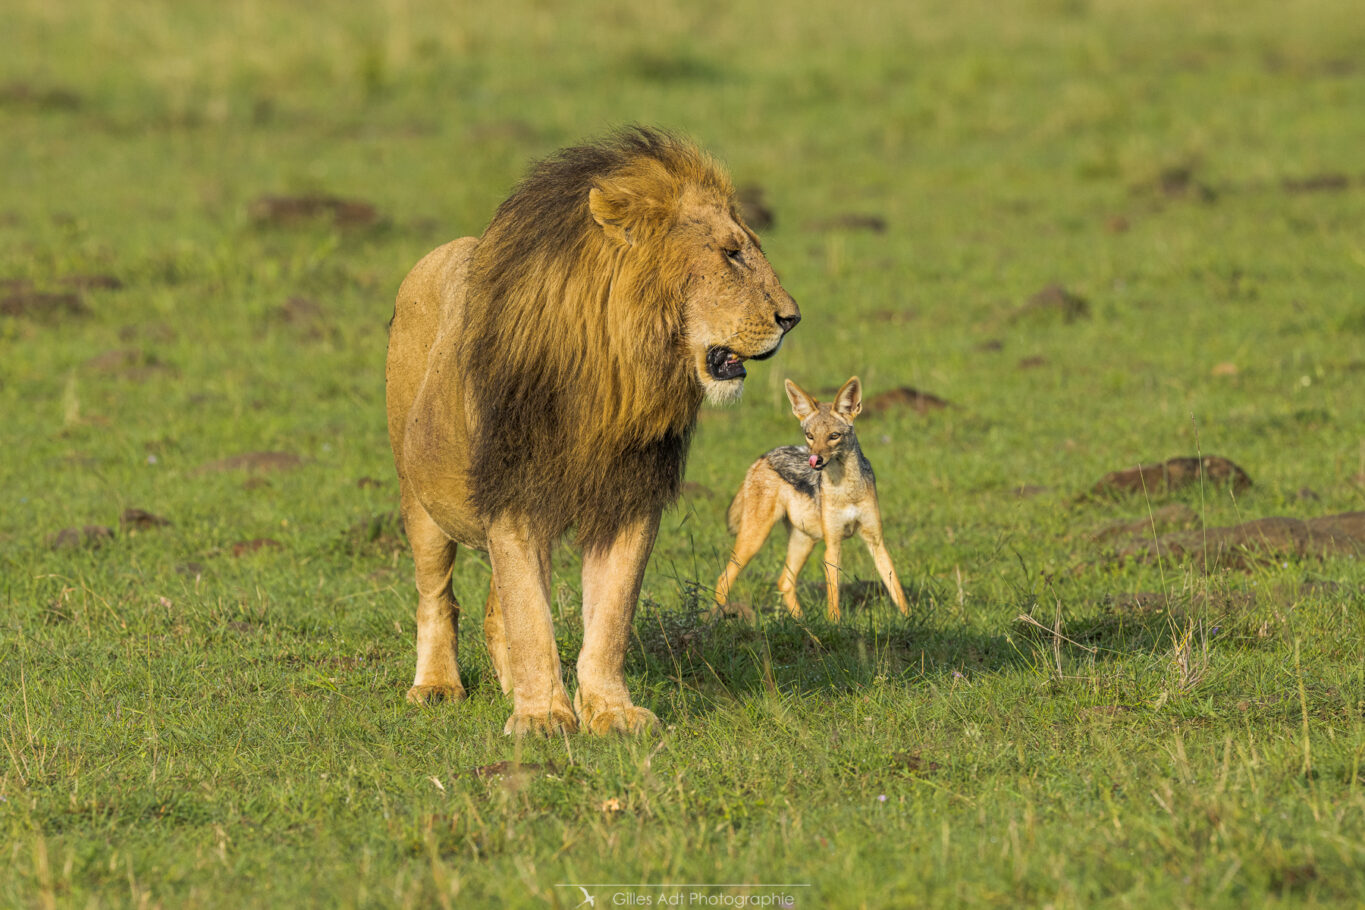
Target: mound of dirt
<point>255,462</point>
<point>904,398</point>
<point>290,211</point>
<point>1259,542</point>
<point>22,302</point>
<point>133,520</point>
<point>1053,301</point>
<point>1176,474</point>
<point>849,221</point>
<point>90,537</point>
<point>754,207</point>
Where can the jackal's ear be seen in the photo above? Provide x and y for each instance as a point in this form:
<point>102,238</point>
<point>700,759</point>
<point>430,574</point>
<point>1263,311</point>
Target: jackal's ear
<point>802,404</point>
<point>848,403</point>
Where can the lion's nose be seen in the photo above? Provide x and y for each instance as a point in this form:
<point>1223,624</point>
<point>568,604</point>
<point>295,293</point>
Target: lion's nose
<point>787,323</point>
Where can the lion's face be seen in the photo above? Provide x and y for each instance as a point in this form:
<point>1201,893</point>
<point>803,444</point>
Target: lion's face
<point>735,309</point>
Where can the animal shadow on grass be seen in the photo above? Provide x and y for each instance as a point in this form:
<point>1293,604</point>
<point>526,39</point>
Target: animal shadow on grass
<point>810,655</point>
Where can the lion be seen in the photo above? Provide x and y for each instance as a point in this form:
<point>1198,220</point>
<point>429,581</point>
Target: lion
<point>546,377</point>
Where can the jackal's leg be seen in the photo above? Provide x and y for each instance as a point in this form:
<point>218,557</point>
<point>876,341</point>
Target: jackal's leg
<point>799,547</point>
<point>876,545</point>
<point>495,637</point>
<point>438,615</point>
<point>833,544</point>
<point>611,588</point>
<point>754,528</point>
<point>520,558</point>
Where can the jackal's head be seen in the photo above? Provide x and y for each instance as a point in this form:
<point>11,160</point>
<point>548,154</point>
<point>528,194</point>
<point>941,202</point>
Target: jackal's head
<point>828,427</point>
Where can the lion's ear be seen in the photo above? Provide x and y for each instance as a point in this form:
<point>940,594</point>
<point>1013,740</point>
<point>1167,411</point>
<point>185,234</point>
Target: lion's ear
<point>802,404</point>
<point>610,215</point>
<point>849,400</point>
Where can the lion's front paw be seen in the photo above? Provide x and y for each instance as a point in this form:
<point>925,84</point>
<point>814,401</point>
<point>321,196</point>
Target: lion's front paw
<point>601,718</point>
<point>430,695</point>
<point>559,719</point>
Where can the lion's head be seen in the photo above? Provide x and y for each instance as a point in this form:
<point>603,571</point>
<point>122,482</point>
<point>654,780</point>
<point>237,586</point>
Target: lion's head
<point>672,214</point>
<point>614,290</point>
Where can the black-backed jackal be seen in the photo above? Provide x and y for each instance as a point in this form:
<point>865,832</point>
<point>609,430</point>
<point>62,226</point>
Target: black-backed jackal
<point>824,490</point>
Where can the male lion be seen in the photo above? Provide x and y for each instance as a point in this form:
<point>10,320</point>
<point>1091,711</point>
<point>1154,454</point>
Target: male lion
<point>547,375</point>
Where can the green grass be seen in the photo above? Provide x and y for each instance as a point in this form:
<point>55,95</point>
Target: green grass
<point>183,726</point>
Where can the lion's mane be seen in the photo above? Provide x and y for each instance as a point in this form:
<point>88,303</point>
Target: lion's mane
<point>580,384</point>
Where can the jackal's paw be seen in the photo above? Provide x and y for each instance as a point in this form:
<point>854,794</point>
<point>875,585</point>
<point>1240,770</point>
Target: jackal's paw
<point>600,718</point>
<point>559,719</point>
<point>430,695</point>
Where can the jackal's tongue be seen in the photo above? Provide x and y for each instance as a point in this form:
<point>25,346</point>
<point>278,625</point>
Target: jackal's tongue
<point>814,460</point>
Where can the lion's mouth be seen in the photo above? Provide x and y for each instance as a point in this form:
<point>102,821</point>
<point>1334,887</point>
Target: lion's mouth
<point>724,364</point>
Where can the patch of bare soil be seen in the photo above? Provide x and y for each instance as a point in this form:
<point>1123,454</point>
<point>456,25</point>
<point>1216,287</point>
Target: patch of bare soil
<point>1181,182</point>
<point>246,547</point>
<point>292,211</point>
<point>134,520</point>
<point>1053,301</point>
<point>913,763</point>
<point>254,462</point>
<point>1317,183</point>
<point>1029,490</point>
<point>849,221</point>
<point>1032,363</point>
<point>88,537</point>
<point>904,398</point>
<point>306,317</point>
<point>91,282</point>
<point>133,364</point>
<point>1175,474</point>
<point>754,208</point>
<point>34,97</point>
<point>1260,542</point>
<point>45,306</point>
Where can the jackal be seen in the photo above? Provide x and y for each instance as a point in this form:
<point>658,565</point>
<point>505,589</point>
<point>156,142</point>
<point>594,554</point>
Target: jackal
<point>824,490</point>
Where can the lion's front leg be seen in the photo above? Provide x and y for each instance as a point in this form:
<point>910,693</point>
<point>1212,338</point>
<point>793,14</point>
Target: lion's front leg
<point>521,573</point>
<point>611,587</point>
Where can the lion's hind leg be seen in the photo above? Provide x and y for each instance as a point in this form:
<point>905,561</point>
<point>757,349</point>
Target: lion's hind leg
<point>438,614</point>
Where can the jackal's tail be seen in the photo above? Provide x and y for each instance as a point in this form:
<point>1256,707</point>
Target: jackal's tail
<point>736,510</point>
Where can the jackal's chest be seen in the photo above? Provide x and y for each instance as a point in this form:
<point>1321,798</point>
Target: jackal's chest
<point>818,515</point>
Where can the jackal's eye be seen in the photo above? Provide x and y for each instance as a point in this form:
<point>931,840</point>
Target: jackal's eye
<point>810,436</point>
<point>834,437</point>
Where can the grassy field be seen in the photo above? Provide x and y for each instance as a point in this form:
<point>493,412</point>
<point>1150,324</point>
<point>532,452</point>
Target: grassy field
<point>206,212</point>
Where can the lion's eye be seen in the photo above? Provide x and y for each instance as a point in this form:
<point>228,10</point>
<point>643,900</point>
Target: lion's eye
<point>735,255</point>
